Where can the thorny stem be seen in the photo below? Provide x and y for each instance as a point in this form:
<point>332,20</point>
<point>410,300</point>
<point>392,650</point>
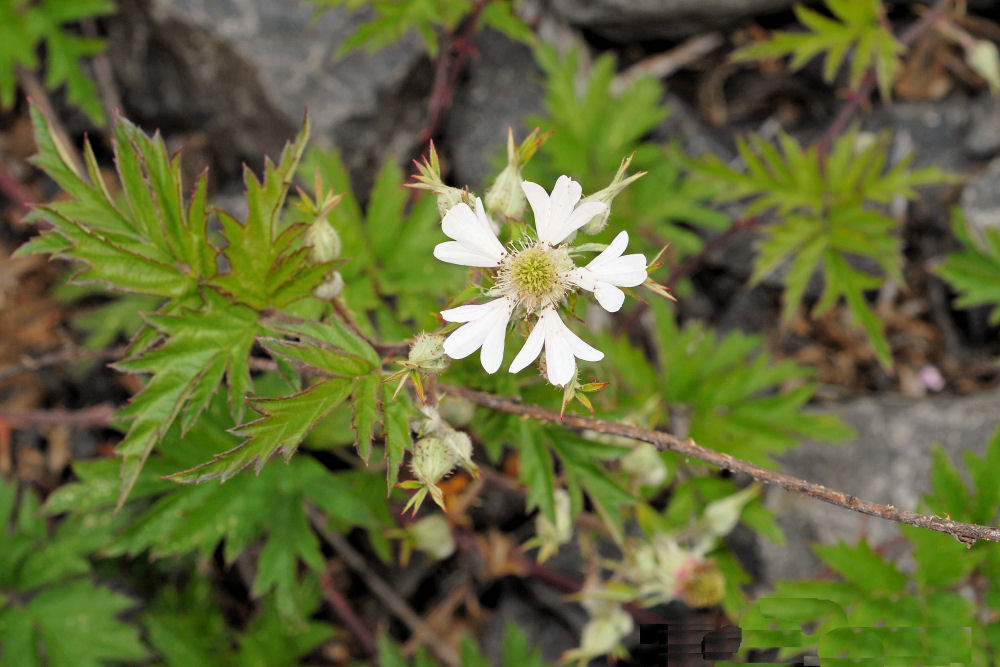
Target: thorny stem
<point>966,533</point>
<point>455,47</point>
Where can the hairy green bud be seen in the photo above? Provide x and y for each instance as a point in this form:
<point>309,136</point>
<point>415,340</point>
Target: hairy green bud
<point>427,354</point>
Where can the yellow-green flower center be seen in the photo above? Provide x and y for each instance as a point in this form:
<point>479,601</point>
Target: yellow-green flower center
<point>533,272</point>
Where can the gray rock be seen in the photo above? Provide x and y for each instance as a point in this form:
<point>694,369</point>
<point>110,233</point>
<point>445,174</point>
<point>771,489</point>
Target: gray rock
<point>980,199</point>
<point>983,137</point>
<point>244,71</point>
<point>889,463</point>
<point>933,131</point>
<point>501,89</point>
<point>630,20</point>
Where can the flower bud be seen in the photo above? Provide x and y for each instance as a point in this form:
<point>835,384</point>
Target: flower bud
<point>433,458</point>
<point>505,198</point>
<point>427,354</point>
<point>428,177</point>
<point>330,289</point>
<point>984,59</point>
<point>449,197</point>
<point>607,195</point>
<point>550,536</point>
<point>323,241</point>
<point>603,633</point>
<point>460,444</point>
<point>720,516</point>
<point>645,465</point>
<point>432,535</point>
<point>703,585</point>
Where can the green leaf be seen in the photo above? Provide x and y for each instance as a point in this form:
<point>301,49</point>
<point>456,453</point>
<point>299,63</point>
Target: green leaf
<point>282,426</point>
<point>366,414</point>
<point>262,255</point>
<point>731,395</point>
<point>291,539</point>
<point>535,469</point>
<point>829,209</point>
<point>857,28</point>
<point>331,332</point>
<point>397,433</point>
<point>201,346</point>
<point>150,244</point>
<point>390,21</point>
<point>862,566</point>
<point>319,357</point>
<point>77,625</point>
<point>975,272</point>
<point>25,26</point>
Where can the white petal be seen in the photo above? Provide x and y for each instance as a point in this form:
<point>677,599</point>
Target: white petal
<point>560,365</point>
<point>538,199</point>
<point>578,218</point>
<point>473,311</point>
<point>454,252</point>
<point>581,277</point>
<point>575,343</point>
<point>627,271</point>
<point>486,325</point>
<point>532,346</point>
<point>473,231</point>
<point>565,194</point>
<point>466,339</point>
<point>491,355</point>
<point>610,297</point>
<point>612,252</point>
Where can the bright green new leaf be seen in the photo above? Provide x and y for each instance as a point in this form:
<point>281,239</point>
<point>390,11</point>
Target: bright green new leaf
<point>148,241</point>
<point>26,24</point>
<point>831,218</point>
<point>265,257</point>
<point>975,272</point>
<point>860,565</point>
<point>857,27</point>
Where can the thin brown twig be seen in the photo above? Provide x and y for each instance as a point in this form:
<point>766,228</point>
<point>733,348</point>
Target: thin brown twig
<point>662,65</point>
<point>70,355</point>
<point>859,96</point>
<point>345,612</point>
<point>96,415</point>
<point>966,533</point>
<point>382,589</point>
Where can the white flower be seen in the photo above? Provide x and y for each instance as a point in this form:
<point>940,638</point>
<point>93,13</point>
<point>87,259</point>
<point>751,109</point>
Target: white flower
<point>475,243</point>
<point>486,327</point>
<point>533,277</point>
<point>558,216</point>
<point>562,347</point>
<point>609,271</point>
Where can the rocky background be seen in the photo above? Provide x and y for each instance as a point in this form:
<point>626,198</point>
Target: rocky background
<point>230,80</point>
